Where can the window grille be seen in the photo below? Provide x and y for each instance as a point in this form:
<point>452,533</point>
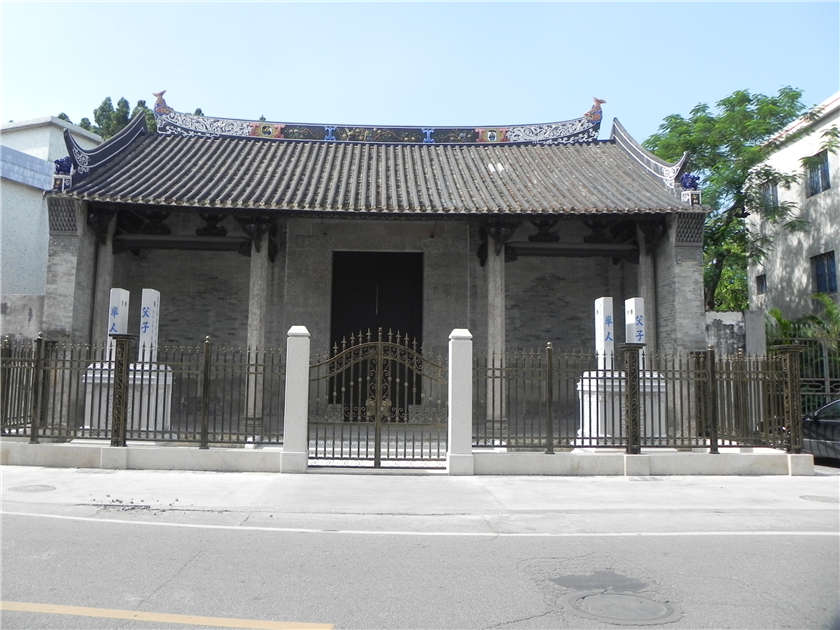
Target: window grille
<point>761,284</point>
<point>824,272</point>
<point>817,174</point>
<point>770,195</point>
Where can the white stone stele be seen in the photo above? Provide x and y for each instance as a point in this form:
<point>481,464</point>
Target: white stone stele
<point>601,392</point>
<point>634,320</point>
<point>147,346</point>
<point>117,316</point>
<point>604,332</point>
<point>296,412</point>
<point>459,454</point>
<point>149,397</point>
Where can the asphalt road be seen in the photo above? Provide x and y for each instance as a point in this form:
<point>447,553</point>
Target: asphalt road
<point>418,551</point>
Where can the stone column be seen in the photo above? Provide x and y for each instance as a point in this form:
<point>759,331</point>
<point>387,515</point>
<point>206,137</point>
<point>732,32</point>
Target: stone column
<point>495,332</point>
<point>647,287</point>
<point>257,300</point>
<point>459,457</point>
<point>296,411</point>
<point>104,278</point>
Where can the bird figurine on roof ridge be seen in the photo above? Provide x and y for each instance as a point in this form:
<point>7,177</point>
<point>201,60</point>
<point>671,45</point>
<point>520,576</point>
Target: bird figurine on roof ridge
<point>594,114</point>
<point>161,107</point>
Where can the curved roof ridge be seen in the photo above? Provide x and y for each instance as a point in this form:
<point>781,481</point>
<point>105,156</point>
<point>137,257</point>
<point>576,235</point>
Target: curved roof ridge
<point>665,171</point>
<point>582,129</point>
<point>85,161</point>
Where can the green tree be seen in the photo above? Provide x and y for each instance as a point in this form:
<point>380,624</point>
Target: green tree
<point>825,325</point>
<point>151,124</point>
<point>725,143</point>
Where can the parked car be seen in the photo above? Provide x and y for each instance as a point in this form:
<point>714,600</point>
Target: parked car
<point>821,431</point>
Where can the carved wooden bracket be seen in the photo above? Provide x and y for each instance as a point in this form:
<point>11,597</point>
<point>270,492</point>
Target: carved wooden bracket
<point>500,231</point>
<point>211,227</point>
<point>257,226</point>
<point>544,226</point>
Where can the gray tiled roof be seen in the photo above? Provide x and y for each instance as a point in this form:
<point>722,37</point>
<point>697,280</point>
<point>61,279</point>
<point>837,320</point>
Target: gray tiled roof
<point>251,173</point>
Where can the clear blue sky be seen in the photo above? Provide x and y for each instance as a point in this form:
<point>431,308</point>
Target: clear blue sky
<point>426,63</point>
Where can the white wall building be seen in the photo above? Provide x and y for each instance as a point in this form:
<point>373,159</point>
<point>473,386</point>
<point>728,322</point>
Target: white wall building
<point>27,153</point>
<point>801,263</point>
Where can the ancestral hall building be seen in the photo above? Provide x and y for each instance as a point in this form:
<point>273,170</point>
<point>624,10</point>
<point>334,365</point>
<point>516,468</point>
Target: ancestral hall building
<point>249,227</point>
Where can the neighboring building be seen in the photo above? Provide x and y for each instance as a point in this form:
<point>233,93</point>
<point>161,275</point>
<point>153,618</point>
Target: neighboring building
<point>27,153</point>
<point>249,227</point>
<point>800,264</point>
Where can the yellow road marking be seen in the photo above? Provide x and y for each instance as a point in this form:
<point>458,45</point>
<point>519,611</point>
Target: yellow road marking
<point>139,615</point>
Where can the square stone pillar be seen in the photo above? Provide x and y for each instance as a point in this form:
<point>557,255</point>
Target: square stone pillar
<point>496,323</point>
<point>257,301</point>
<point>68,302</point>
<point>647,287</point>
<point>296,410</point>
<point>459,457</point>
<point>103,279</point>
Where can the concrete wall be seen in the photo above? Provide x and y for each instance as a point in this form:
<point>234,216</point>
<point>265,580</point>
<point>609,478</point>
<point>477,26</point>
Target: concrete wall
<point>29,148</point>
<point>24,235</point>
<point>731,331</point>
<point>788,264</point>
<point>21,315</point>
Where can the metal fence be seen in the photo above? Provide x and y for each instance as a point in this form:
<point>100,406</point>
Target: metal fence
<point>561,400</point>
<point>820,372</point>
<point>205,394</point>
<point>378,400</point>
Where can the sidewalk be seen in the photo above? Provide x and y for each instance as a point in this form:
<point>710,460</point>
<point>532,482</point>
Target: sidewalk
<point>33,488</point>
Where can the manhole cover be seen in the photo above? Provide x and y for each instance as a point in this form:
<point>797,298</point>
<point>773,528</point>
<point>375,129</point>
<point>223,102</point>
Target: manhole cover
<point>38,487</point>
<point>819,498</point>
<point>624,609</point>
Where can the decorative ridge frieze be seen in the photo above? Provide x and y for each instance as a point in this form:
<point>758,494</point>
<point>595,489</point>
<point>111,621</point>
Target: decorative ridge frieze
<point>578,130</point>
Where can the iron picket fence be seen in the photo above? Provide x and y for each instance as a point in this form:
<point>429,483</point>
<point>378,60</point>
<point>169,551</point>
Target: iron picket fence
<point>205,394</point>
<point>548,400</point>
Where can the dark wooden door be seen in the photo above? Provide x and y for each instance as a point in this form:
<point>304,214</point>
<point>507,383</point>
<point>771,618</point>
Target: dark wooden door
<point>377,289</point>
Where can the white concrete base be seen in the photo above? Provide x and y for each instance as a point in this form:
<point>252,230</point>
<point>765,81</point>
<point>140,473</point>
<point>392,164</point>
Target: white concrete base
<point>460,464</point>
<point>294,462</point>
<point>591,462</point>
<point>145,457</point>
<point>802,464</point>
<point>636,465</point>
<point>149,456</point>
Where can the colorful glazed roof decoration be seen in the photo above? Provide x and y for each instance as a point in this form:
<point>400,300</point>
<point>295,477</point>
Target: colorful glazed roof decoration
<point>578,130</point>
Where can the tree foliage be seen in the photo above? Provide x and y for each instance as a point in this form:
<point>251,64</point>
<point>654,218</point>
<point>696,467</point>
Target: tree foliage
<point>725,143</point>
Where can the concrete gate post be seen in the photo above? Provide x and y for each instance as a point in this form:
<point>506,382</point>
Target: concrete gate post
<point>296,412</point>
<point>459,457</point>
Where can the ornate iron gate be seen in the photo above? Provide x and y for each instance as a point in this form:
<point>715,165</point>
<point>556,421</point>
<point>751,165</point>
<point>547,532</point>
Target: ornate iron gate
<point>378,399</point>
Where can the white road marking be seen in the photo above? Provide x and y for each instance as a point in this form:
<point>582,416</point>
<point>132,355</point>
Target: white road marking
<point>373,532</point>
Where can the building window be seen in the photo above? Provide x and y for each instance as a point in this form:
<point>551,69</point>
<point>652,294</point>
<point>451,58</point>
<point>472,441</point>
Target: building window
<point>770,195</point>
<point>816,171</point>
<point>761,284</point>
<point>825,273</point>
